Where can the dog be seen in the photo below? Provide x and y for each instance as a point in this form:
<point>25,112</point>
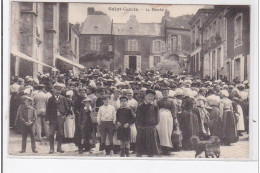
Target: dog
<point>211,146</point>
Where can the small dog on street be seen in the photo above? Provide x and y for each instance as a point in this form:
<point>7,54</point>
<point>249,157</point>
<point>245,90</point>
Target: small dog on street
<point>211,146</point>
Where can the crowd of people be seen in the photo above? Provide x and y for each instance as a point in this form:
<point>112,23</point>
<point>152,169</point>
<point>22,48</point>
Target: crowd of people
<point>125,112</point>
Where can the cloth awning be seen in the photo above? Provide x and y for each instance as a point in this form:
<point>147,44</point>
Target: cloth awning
<point>28,58</point>
<point>70,62</point>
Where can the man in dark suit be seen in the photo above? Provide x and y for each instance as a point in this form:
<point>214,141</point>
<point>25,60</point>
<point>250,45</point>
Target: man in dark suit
<point>56,113</point>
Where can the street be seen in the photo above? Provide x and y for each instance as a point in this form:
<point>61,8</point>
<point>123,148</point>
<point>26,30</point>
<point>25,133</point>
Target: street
<point>239,150</point>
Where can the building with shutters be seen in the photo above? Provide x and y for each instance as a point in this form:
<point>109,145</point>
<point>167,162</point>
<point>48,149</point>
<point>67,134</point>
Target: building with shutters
<point>134,45</point>
<point>196,23</point>
<point>214,44</point>
<point>224,43</point>
<point>237,63</point>
<point>138,46</point>
<point>177,40</point>
<point>96,40</point>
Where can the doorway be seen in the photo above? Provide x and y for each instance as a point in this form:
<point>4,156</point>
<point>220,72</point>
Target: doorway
<point>132,62</point>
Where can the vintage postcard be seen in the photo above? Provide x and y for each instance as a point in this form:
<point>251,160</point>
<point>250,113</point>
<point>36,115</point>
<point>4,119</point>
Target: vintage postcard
<point>107,80</point>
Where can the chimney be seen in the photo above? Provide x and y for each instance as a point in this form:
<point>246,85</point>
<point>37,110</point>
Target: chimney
<point>91,11</point>
<point>167,13</point>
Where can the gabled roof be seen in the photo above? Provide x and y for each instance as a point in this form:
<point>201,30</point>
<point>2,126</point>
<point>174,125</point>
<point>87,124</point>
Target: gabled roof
<point>96,24</point>
<point>133,27</point>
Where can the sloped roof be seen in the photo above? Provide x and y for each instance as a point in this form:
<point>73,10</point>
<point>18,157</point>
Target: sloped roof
<point>133,27</point>
<point>181,22</point>
<point>96,24</point>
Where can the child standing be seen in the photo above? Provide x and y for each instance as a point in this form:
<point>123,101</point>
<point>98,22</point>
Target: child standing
<point>27,115</point>
<point>86,126</point>
<point>106,119</point>
<point>124,118</point>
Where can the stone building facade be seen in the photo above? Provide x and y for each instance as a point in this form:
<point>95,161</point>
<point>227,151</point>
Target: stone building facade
<point>133,45</point>
<point>224,44</point>
<point>37,31</point>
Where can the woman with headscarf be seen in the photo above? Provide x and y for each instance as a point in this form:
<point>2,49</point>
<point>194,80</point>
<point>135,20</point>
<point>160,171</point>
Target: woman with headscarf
<point>213,102</point>
<point>228,129</point>
<point>168,120</point>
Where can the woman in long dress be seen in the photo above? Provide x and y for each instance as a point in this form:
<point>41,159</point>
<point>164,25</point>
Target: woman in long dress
<point>188,122</point>
<point>167,117</point>
<point>228,126</point>
<point>239,111</point>
<point>213,102</point>
<point>203,113</point>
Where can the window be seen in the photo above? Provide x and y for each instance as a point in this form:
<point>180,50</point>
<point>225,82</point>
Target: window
<point>157,59</point>
<point>238,30</point>
<point>157,46</point>
<point>95,43</point>
<point>132,45</point>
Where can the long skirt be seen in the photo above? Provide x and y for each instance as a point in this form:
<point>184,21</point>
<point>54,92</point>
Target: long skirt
<point>69,126</point>
<point>147,141</point>
<point>213,120</point>
<point>227,127</point>
<point>165,127</point>
<point>133,133</point>
<point>240,122</point>
<point>203,121</point>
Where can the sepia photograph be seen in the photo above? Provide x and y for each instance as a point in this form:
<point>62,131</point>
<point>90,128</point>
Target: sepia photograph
<point>103,80</point>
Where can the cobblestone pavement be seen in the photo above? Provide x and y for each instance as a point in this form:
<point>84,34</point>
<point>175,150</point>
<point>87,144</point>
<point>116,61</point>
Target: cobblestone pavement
<point>239,150</point>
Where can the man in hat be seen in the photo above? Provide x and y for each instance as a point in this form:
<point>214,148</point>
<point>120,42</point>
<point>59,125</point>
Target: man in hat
<point>56,111</point>
<point>40,103</point>
<point>146,121</point>
<point>106,119</point>
<point>27,115</point>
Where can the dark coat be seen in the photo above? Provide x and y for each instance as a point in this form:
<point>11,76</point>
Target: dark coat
<point>85,124</point>
<point>53,106</point>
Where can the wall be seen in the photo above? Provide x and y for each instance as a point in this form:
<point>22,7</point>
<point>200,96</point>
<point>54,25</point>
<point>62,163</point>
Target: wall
<point>145,44</point>
<point>243,50</point>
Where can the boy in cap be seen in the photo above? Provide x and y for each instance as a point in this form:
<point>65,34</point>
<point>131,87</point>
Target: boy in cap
<point>27,115</point>
<point>86,126</point>
<point>124,118</point>
<point>106,119</point>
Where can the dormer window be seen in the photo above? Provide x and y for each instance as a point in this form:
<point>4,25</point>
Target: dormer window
<point>131,27</point>
<point>95,27</point>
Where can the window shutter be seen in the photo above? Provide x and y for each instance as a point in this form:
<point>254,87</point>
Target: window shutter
<point>138,69</point>
<point>126,61</point>
<point>153,46</point>
<point>222,57</point>
<point>162,59</point>
<point>126,45</point>
<point>169,45</point>
<point>137,45</point>
<point>151,61</point>
<point>232,70</point>
<point>179,42</point>
<point>163,46</point>
<point>242,68</point>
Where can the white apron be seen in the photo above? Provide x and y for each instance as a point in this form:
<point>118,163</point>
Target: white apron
<point>165,127</point>
<point>69,126</point>
<point>240,123</point>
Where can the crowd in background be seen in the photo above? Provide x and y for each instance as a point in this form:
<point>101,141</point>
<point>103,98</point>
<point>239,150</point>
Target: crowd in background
<point>146,113</point>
